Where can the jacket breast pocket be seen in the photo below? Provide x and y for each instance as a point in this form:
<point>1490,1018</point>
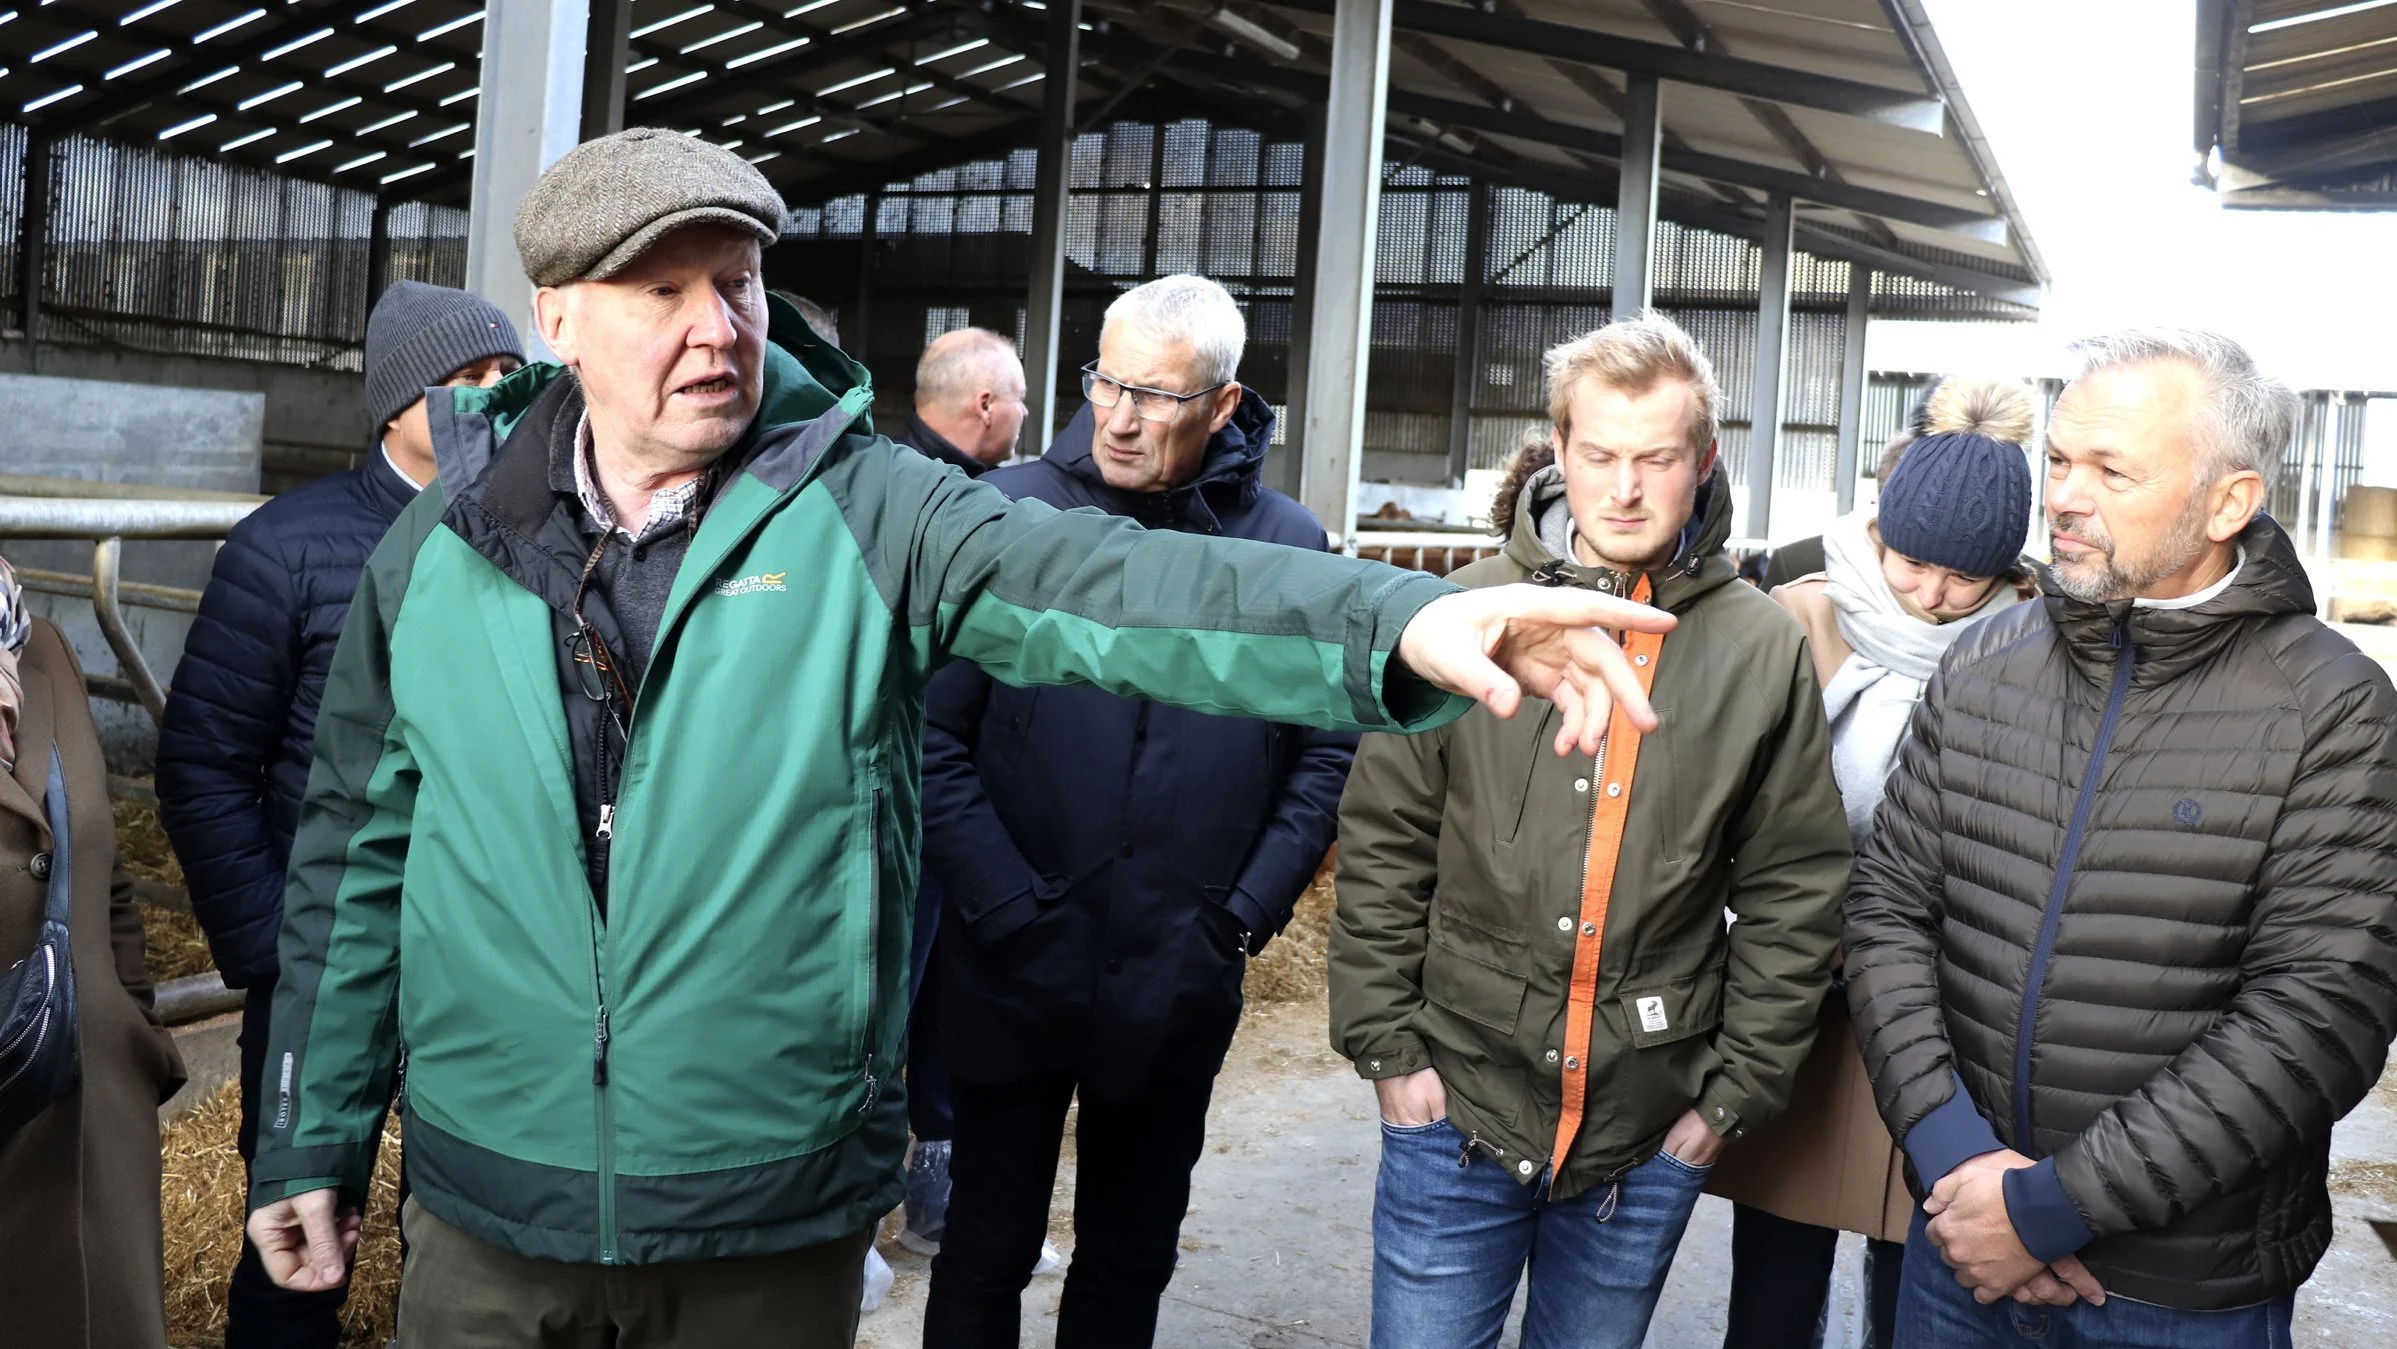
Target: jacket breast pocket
<point>1522,746</point>
<point>1471,985</point>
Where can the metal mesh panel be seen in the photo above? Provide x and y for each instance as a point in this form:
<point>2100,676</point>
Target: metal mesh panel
<point>12,204</point>
<point>1224,203</point>
<point>172,253</point>
<point>428,243</point>
<point>1537,241</point>
<point>1889,403</point>
<point>2328,438</point>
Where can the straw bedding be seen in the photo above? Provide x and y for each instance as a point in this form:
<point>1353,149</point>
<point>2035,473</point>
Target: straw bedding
<point>171,937</point>
<point>1292,967</point>
<point>203,1201</point>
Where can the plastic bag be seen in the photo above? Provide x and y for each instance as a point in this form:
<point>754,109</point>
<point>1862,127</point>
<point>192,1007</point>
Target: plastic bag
<point>878,1281</point>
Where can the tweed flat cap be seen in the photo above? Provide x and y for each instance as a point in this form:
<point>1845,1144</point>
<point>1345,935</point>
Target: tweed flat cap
<point>607,200</point>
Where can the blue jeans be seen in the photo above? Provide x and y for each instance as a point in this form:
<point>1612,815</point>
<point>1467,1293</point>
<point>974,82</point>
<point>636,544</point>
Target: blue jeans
<point>1450,1243</point>
<point>1936,1312</point>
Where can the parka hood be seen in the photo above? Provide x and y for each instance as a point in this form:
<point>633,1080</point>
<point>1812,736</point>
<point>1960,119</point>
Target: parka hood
<point>1542,529</point>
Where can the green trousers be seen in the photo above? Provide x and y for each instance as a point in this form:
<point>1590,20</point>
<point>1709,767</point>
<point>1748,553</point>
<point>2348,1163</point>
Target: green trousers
<point>458,1293</point>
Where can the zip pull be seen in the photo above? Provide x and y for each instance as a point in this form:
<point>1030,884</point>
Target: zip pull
<point>873,1087</point>
<point>607,823</point>
<point>599,1048</point>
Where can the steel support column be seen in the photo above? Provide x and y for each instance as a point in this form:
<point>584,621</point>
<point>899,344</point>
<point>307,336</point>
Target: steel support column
<point>33,241</point>
<point>378,252</point>
<point>1772,347</point>
<point>1343,262</point>
<point>529,113</point>
<point>1156,221</point>
<point>606,36</point>
<point>859,328</point>
<point>1283,471</point>
<point>1635,197</point>
<point>1851,387</point>
<point>2332,436</point>
<point>2306,448</point>
<point>1052,173</point>
<point>1468,348</point>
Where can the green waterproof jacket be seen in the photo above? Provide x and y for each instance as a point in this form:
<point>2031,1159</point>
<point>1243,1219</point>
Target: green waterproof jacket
<point>1464,855</point>
<point>705,1067</point>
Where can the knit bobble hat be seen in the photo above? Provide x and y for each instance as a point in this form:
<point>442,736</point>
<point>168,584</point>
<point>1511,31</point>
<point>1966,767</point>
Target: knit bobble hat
<point>420,335</point>
<point>1961,501</point>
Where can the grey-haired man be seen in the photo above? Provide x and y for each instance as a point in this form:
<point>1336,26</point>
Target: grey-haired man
<point>2119,949</point>
<point>1164,846</point>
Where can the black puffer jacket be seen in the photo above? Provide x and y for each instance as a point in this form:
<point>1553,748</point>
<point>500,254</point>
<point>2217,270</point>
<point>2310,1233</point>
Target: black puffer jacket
<point>2135,883</point>
<point>240,728</point>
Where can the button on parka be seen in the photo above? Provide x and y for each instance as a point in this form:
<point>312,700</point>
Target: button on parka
<point>2135,882</point>
<point>1464,856</point>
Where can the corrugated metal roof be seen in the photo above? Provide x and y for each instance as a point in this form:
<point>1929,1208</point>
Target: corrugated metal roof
<point>1848,102</point>
<point>2297,102</point>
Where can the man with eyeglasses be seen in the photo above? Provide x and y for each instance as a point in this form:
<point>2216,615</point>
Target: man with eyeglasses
<point>1110,863</point>
<point>620,759</point>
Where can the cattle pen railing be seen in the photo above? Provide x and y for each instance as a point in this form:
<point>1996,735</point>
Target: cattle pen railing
<point>105,515</point>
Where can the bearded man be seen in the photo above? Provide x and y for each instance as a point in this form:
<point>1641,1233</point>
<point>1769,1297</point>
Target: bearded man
<point>2119,946</point>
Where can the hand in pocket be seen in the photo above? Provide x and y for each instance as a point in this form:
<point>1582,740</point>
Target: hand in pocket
<point>1412,1100</point>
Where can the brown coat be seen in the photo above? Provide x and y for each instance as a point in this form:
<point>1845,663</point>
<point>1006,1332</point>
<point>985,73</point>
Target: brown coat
<point>1830,1160</point>
<point>80,1259</point>
<point>1808,599</point>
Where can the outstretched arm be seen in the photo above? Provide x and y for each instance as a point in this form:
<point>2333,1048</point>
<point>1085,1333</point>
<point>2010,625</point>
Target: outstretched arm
<point>1039,596</point>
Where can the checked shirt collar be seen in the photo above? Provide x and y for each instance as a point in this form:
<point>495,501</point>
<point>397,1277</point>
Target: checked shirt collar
<point>667,508</point>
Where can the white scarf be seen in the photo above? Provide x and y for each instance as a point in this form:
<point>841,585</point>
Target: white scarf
<point>1894,654</point>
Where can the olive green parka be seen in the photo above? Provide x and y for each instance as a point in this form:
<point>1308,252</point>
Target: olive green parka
<point>1466,893</point>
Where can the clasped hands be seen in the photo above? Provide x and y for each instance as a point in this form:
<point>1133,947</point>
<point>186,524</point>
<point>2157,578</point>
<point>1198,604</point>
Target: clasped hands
<point>1974,1234</point>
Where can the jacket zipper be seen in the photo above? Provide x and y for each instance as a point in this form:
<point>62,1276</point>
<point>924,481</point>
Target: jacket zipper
<point>603,1107</point>
<point>873,957</point>
<point>2050,920</point>
<point>603,1110</point>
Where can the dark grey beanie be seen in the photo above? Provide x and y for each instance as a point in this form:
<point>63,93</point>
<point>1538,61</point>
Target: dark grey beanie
<point>1960,501</point>
<point>420,335</point>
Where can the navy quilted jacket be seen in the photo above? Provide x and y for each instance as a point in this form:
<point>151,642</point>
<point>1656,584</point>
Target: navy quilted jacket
<point>240,728</point>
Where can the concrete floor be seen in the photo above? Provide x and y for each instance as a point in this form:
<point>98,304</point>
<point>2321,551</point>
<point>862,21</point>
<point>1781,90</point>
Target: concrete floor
<point>1277,1248</point>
